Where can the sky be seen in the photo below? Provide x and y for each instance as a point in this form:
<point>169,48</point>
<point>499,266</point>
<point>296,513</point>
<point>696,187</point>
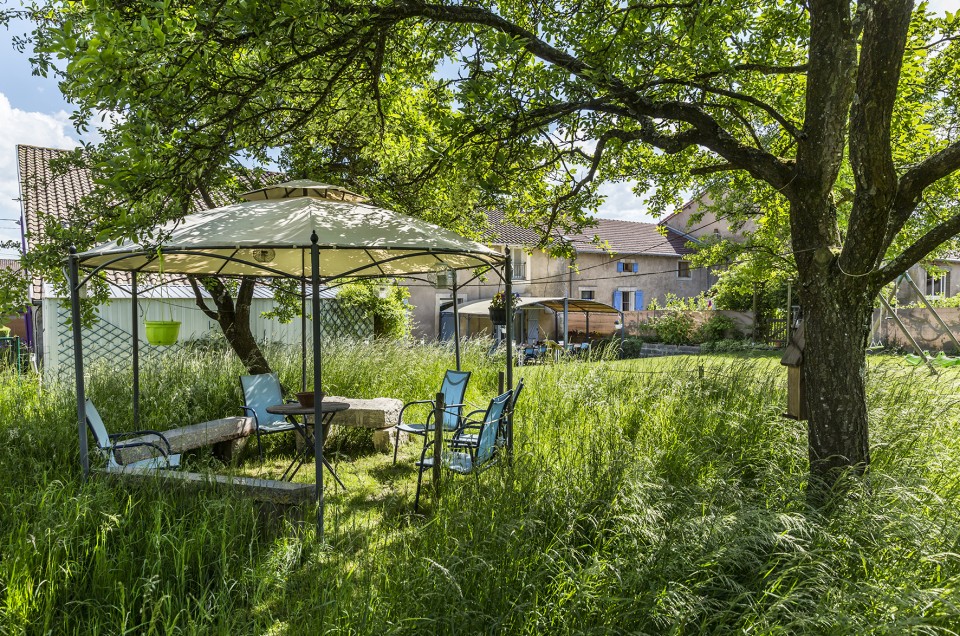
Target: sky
<point>33,112</point>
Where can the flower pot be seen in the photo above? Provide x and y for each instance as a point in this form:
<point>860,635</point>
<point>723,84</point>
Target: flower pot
<point>307,399</point>
<point>162,332</point>
<point>498,315</point>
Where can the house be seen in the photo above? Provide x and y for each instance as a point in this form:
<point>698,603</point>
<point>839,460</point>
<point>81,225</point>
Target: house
<point>626,264</point>
<point>44,196</point>
<point>943,279</point>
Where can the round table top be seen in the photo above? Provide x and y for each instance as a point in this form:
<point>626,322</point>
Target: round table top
<point>326,406</point>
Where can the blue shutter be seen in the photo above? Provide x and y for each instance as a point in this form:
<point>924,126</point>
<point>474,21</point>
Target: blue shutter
<point>620,267</point>
<point>638,301</point>
<point>636,267</point>
<point>618,300</point>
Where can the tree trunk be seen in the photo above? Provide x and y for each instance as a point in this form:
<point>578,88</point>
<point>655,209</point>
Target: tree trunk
<point>836,330</point>
<point>234,319</point>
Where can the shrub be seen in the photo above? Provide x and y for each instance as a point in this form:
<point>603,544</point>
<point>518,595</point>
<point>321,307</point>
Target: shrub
<point>675,327</point>
<point>718,327</point>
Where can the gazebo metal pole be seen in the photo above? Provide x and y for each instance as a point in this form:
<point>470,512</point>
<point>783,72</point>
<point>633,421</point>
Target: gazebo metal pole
<point>78,359</point>
<point>135,331</point>
<point>456,321</point>
<point>318,395</point>
<point>508,291</point>
<point>586,315</point>
<point>566,323</point>
<point>303,334</point>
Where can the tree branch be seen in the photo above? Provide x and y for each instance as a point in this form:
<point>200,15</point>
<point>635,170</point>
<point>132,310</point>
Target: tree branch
<point>918,178</point>
<point>871,155</point>
<point>198,297</point>
<point>920,248</point>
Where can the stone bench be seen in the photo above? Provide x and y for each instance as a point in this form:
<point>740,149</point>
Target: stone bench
<point>378,414</point>
<point>271,490</point>
<point>226,435</point>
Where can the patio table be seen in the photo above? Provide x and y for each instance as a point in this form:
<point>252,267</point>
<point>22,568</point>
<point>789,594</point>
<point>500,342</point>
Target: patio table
<point>298,414</point>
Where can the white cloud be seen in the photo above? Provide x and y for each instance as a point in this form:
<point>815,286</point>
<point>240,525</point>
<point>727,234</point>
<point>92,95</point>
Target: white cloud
<point>622,203</point>
<point>29,128</point>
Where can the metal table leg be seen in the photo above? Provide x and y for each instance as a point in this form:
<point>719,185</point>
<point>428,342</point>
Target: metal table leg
<point>301,460</point>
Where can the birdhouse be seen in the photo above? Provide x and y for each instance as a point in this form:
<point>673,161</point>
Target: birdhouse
<point>793,360</point>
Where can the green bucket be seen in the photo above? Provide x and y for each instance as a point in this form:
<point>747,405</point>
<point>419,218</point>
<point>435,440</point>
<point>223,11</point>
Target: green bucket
<point>162,332</point>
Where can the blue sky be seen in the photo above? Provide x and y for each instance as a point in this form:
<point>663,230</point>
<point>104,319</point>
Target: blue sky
<point>33,112</point>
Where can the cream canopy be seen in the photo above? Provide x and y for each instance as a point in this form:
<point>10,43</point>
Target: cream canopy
<point>269,235</point>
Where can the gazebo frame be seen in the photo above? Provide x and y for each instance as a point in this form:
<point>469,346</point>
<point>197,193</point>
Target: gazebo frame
<point>75,263</point>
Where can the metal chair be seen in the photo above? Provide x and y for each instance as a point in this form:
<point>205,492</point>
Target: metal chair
<point>108,443</point>
<point>454,388</point>
<point>467,435</point>
<point>259,392</point>
<point>477,458</point>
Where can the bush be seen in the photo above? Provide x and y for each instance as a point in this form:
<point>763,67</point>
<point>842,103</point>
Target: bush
<point>719,327</point>
<point>675,327</point>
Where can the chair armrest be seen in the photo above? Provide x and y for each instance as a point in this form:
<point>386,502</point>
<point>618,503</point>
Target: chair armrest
<point>128,434</point>
<point>251,413</point>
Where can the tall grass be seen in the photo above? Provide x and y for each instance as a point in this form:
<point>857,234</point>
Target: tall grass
<point>642,498</point>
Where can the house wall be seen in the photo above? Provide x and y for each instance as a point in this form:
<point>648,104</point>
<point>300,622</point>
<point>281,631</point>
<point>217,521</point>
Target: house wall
<point>906,295</point>
<point>547,276</point>
<point>708,225</point>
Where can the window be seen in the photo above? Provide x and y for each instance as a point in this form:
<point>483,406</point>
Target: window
<point>716,232</point>
<point>683,269</point>
<point>938,284</point>
<point>519,260</point>
<point>628,300</point>
<point>588,294</point>
<point>627,267</point>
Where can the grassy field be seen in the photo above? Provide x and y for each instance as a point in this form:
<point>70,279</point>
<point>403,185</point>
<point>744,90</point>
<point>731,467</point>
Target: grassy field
<point>643,499</point>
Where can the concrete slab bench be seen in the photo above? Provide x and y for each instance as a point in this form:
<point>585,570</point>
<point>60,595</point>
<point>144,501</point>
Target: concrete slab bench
<point>379,414</point>
<point>272,490</point>
<point>222,434</point>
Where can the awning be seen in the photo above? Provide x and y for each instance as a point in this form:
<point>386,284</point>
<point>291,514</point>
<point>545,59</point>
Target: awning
<point>554,303</point>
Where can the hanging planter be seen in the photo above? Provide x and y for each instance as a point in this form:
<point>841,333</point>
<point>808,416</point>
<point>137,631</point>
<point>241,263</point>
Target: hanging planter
<point>498,315</point>
<point>162,333</point>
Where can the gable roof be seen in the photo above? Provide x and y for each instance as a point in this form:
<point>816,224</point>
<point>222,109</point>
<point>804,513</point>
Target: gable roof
<point>625,238</point>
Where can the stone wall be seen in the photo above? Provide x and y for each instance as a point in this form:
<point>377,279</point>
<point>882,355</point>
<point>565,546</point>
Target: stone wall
<point>922,325</point>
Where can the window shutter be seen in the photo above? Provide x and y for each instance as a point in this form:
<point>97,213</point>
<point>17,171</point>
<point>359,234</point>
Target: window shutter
<point>620,267</point>
<point>638,301</point>
<point>636,267</point>
<point>618,300</point>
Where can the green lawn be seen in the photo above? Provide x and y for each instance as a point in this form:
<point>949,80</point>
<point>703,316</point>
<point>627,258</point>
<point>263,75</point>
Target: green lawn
<point>642,499</point>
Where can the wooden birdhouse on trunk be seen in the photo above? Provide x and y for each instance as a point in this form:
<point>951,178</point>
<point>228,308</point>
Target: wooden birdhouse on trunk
<point>793,360</point>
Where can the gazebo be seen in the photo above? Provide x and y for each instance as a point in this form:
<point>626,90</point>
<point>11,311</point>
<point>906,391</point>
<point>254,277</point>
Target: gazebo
<point>303,230</point>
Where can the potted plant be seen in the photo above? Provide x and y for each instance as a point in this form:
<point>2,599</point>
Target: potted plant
<point>498,307</point>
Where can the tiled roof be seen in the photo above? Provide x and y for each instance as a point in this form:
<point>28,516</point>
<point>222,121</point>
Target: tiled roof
<point>628,238</point>
<point>46,193</point>
<point>623,237</point>
<point>502,233</point>
<point>43,192</point>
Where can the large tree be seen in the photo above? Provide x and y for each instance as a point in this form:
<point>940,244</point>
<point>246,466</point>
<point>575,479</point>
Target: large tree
<point>842,113</point>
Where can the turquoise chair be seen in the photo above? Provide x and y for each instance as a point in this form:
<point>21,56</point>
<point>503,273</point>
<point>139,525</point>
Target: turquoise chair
<point>108,443</point>
<point>259,392</point>
<point>454,388</point>
<point>475,459</point>
<point>467,435</point>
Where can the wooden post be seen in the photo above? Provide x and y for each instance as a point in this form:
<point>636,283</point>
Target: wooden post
<point>437,442</point>
<point>500,382</point>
